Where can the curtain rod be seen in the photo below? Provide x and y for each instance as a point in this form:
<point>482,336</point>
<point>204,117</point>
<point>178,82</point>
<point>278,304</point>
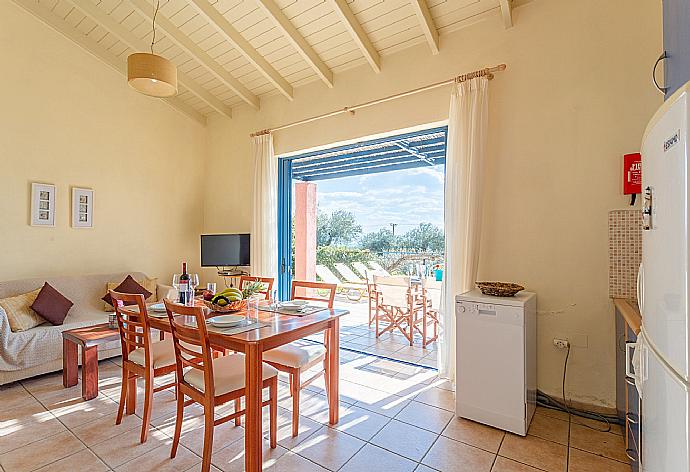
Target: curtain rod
<point>486,72</point>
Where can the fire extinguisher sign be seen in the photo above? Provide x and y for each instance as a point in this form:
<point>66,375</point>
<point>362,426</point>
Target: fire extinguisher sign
<point>632,173</point>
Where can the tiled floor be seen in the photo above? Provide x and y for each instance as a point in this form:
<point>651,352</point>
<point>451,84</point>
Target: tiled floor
<point>395,417</point>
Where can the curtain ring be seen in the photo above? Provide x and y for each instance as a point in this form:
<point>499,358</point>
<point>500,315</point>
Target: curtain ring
<point>656,84</point>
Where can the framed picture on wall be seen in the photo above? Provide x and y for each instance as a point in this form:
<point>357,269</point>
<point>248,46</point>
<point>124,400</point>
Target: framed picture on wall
<point>82,208</point>
<point>42,204</point>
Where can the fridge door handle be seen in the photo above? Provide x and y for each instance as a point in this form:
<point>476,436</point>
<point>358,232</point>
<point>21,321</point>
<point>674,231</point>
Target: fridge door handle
<point>629,347</point>
<point>640,288</point>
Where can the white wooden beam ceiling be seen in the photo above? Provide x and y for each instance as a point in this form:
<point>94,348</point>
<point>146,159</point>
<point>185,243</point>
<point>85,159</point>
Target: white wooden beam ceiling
<point>190,47</point>
<point>358,34</point>
<point>223,26</point>
<point>507,13</point>
<point>426,21</point>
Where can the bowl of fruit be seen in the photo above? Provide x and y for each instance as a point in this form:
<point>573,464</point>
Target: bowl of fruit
<point>232,298</point>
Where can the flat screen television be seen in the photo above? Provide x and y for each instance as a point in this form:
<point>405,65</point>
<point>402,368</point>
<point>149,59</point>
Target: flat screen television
<point>218,250</point>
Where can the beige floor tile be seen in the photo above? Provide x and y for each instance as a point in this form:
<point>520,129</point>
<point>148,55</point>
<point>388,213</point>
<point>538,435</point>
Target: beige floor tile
<point>14,434</point>
<point>404,439</point>
<point>307,427</point>
<point>231,458</point>
<point>561,415</point>
<point>425,416</point>
<point>159,460</point>
<point>453,456</point>
<point>601,425</point>
<point>329,448</point>
<point>223,436</point>
<point>291,462</point>
<point>507,465</point>
<point>474,434</point>
<point>197,468</point>
<point>388,405</point>
<point>581,461</point>
<point>13,396</point>
<point>438,397</point>
<point>82,460</point>
<point>105,428</point>
<point>604,444</point>
<point>384,460</point>
<point>424,468</point>
<point>537,452</point>
<point>125,447</point>
<point>549,428</point>
<point>77,411</point>
<point>41,452</point>
<point>361,423</point>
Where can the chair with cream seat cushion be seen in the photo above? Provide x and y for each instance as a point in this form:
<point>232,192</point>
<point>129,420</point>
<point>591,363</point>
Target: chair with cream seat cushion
<point>294,358</point>
<point>211,382</point>
<point>140,356</point>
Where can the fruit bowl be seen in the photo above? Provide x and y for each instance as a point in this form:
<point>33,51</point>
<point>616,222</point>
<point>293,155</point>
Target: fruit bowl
<point>238,305</point>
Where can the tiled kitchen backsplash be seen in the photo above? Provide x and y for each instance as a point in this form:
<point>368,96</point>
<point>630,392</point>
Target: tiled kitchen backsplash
<point>625,252</point>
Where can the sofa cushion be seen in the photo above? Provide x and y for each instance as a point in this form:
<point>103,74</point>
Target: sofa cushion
<point>52,305</point>
<point>19,313</point>
<point>129,285</point>
<point>149,284</point>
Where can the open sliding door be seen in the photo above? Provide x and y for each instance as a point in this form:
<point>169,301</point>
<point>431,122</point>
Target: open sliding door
<point>284,228</point>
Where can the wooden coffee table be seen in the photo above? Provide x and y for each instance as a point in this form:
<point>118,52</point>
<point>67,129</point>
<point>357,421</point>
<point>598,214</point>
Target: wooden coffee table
<point>89,338</point>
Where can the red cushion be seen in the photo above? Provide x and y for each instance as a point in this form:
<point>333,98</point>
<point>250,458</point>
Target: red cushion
<point>129,285</point>
<point>51,305</point>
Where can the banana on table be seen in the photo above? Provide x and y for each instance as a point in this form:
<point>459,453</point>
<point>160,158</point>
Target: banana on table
<point>228,295</point>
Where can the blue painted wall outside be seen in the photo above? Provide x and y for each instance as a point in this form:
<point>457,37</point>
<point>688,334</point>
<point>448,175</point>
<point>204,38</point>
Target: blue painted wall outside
<point>676,43</point>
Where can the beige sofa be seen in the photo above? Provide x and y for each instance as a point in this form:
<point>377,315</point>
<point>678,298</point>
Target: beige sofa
<point>39,350</point>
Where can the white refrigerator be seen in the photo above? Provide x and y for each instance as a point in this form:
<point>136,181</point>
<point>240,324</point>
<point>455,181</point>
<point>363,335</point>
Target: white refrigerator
<point>662,360</point>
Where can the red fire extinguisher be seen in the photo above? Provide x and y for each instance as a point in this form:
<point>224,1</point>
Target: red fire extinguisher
<point>632,175</point>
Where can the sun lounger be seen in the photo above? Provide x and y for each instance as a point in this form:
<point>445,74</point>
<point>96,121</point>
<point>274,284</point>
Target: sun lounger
<point>353,292</point>
<point>348,274</point>
<point>378,268</point>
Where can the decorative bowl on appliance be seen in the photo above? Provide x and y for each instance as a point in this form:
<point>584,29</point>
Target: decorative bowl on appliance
<point>499,289</point>
<point>238,305</point>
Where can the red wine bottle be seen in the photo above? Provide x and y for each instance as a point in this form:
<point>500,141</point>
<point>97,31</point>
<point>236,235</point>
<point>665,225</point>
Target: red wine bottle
<point>184,284</point>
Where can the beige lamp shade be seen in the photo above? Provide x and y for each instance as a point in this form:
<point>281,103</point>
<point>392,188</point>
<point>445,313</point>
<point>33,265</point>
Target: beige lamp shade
<point>152,75</point>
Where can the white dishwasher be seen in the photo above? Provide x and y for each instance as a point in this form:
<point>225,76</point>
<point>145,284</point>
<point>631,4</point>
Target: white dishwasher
<point>496,375</point>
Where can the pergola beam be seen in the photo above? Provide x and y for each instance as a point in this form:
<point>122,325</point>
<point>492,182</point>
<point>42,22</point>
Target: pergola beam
<point>426,21</point>
<point>223,26</point>
<point>507,12</point>
<point>357,32</point>
<point>98,52</point>
<point>415,153</point>
<point>190,47</point>
<point>120,32</point>
<point>305,50</point>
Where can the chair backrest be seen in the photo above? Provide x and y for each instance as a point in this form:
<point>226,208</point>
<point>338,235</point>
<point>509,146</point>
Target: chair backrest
<point>377,267</point>
<point>361,269</point>
<point>395,290</point>
<point>346,272</point>
<point>327,275</point>
<point>433,292</point>
<point>325,292</point>
<point>135,331</point>
<point>192,346</point>
<point>266,284</point>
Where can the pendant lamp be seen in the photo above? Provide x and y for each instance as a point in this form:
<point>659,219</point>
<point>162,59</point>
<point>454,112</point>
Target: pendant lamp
<point>151,74</point>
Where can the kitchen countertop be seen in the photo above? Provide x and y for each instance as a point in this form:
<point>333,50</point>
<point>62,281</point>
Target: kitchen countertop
<point>630,313</point>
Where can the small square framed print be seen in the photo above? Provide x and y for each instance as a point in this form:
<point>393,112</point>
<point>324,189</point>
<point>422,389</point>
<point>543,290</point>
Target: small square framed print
<point>42,204</point>
<point>82,208</point>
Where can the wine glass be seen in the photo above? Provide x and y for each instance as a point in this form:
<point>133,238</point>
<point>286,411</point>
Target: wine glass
<point>193,281</point>
<point>176,285</point>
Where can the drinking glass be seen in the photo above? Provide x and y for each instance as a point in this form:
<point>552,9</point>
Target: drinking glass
<point>211,287</point>
<point>193,281</point>
<point>252,312</point>
<point>176,281</point>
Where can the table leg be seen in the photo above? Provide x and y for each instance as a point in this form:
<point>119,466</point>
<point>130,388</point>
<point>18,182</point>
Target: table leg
<point>89,372</point>
<point>70,365</point>
<point>252,436</point>
<point>333,375</point>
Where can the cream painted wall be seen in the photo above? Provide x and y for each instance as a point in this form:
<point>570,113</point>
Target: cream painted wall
<point>575,98</point>
<point>69,120</point>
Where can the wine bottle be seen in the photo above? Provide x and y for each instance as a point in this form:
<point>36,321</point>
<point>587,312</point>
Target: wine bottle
<point>184,284</point>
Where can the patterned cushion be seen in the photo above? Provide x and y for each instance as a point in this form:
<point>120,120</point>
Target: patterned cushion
<point>149,284</point>
<point>52,305</point>
<point>19,312</point>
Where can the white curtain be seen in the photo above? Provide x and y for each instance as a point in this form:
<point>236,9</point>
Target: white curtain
<point>264,237</point>
<point>467,128</point>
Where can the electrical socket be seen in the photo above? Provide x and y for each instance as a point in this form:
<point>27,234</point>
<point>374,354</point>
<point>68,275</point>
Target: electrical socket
<point>561,343</point>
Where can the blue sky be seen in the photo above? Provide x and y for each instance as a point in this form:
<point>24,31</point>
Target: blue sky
<point>407,197</point>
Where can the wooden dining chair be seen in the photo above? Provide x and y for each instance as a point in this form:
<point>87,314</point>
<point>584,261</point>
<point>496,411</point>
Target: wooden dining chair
<point>371,292</point>
<point>211,381</point>
<point>398,304</point>
<point>294,359</point>
<point>430,313</point>
<point>141,357</point>
<point>266,282</point>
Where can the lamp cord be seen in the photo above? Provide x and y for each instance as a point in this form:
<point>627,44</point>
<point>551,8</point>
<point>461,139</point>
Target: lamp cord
<point>153,24</point>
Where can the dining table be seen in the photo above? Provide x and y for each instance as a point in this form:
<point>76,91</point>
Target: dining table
<point>277,329</point>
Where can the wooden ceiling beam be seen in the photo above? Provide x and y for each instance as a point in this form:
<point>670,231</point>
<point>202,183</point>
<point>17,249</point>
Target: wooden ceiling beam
<point>305,50</point>
<point>358,34</point>
<point>145,9</point>
<point>426,21</point>
<point>225,29</point>
<point>507,12</point>
<point>98,15</point>
<point>98,51</point>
